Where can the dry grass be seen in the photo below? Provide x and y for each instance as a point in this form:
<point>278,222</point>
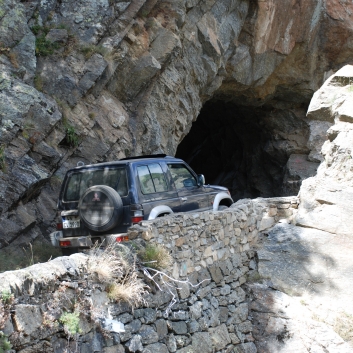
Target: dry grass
<point>116,267</point>
<point>130,289</point>
<point>344,327</point>
<point>155,256</point>
<point>108,264</point>
<point>13,59</point>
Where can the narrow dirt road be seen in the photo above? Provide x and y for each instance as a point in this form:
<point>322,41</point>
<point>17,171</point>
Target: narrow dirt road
<point>303,301</point>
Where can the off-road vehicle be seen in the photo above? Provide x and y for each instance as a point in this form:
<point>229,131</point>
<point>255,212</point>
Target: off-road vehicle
<point>99,202</point>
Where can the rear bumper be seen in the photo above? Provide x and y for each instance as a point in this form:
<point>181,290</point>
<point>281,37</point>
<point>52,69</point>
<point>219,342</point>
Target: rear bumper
<point>88,241</point>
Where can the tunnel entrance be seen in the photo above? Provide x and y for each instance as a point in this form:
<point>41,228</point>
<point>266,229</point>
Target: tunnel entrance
<point>249,149</point>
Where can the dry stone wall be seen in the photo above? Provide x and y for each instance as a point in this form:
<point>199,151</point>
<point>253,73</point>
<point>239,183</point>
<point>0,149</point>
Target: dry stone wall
<point>212,250</point>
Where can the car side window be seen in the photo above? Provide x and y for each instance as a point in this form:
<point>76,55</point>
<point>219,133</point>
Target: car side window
<point>151,178</point>
<point>181,176</point>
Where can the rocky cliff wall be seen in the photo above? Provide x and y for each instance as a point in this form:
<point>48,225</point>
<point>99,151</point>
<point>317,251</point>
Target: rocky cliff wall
<point>98,80</point>
<point>326,199</point>
<point>212,250</point>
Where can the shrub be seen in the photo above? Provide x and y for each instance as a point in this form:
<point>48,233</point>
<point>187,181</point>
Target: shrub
<point>6,296</point>
<point>45,47</point>
<point>71,322</point>
<point>38,83</point>
<point>89,50</point>
<point>71,136</point>
<point>155,256</point>
<point>5,345</point>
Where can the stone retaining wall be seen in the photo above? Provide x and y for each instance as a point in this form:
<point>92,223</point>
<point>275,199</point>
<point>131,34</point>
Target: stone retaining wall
<point>210,249</point>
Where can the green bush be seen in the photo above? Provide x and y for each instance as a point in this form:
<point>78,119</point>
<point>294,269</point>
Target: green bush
<point>5,345</point>
<point>45,47</point>
<point>155,256</point>
<point>71,136</point>
<point>71,322</point>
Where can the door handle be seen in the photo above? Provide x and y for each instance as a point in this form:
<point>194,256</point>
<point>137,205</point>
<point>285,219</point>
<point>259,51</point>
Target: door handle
<point>184,199</point>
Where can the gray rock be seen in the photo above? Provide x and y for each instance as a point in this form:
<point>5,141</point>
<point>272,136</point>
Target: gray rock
<point>171,343</point>
<point>182,341</point>
<point>94,68</point>
<point>155,348</point>
<point>220,337</point>
<point>148,335</point>
<point>201,342</point>
<point>193,326</point>
<point>246,348</point>
<point>57,35</point>
<point>179,327</point>
<point>161,328</point>
<point>196,309</point>
<point>27,318</point>
<point>135,344</point>
<point>135,325</point>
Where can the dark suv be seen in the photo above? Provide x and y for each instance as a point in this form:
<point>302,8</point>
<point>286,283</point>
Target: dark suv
<point>99,202</point>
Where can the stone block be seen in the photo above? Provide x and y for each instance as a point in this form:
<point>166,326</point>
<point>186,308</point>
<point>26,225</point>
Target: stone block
<point>179,327</point>
<point>161,328</point>
<point>171,343</point>
<point>201,342</point>
<point>135,344</point>
<point>216,274</point>
<point>248,347</point>
<point>183,290</point>
<point>156,348</point>
<point>27,318</point>
<point>148,334</point>
<point>266,223</point>
<point>220,337</point>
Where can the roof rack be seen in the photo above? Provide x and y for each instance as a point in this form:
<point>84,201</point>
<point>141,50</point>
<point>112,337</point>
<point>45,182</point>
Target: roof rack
<point>161,155</point>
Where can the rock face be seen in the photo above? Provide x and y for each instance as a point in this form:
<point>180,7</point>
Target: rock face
<point>326,199</point>
<point>96,80</point>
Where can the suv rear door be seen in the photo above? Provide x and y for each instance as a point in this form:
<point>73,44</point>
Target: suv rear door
<point>156,187</point>
<point>192,196</point>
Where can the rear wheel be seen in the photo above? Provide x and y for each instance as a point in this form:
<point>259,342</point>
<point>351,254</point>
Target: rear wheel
<point>100,208</point>
<point>69,251</point>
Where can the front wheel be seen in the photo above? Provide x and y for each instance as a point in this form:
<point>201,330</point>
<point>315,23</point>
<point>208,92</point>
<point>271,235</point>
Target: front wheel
<point>222,208</point>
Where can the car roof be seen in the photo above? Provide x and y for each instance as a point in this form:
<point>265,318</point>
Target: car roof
<point>124,161</point>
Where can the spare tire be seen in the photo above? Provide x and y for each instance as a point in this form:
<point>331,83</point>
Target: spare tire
<point>100,208</point>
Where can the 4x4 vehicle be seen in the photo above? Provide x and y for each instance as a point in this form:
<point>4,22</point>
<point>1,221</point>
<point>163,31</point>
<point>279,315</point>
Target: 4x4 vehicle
<point>99,202</point>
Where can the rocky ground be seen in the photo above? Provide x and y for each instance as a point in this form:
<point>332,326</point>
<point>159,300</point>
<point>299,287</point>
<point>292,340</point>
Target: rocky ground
<point>302,299</point>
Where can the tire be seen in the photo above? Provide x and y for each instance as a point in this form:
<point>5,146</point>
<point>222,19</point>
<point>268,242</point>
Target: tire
<point>68,251</point>
<point>100,208</point>
<point>222,207</point>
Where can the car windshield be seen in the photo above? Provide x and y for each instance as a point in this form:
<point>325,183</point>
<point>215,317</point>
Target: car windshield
<point>79,181</point>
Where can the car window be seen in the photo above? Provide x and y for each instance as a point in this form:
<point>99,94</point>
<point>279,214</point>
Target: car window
<point>80,181</point>
<point>182,177</point>
<point>151,178</point>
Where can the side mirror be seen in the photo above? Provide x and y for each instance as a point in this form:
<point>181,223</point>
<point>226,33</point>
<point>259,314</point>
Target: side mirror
<point>201,180</point>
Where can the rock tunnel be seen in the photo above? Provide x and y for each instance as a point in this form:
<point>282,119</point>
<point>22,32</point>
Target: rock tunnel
<point>255,151</point>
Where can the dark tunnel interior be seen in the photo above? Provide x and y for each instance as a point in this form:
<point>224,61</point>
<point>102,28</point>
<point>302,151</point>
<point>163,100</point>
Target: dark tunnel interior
<point>245,148</point>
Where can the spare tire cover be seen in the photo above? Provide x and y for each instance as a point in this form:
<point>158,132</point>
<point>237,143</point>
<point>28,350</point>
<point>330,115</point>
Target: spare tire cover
<point>100,208</point>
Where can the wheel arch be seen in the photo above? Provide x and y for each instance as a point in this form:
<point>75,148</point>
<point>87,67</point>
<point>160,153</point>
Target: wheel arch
<point>222,198</point>
<point>159,210</point>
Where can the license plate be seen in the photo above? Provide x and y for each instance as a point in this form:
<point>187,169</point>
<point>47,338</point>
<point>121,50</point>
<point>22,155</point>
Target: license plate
<point>71,222</point>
